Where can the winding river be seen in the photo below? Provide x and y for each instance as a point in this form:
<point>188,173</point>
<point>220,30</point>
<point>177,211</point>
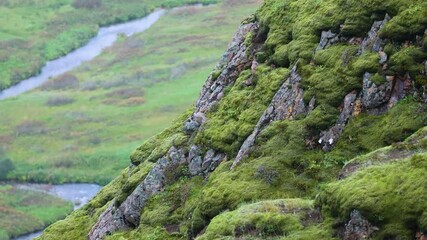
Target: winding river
<point>77,193</point>
<point>105,38</point>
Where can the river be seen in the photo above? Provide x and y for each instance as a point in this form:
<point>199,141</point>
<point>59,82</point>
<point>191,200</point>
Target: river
<point>77,193</point>
<point>105,38</point>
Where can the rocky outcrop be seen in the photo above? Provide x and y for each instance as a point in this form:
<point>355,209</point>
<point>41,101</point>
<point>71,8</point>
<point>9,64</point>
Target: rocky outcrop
<point>232,63</point>
<point>286,104</point>
<point>349,107</point>
<point>202,166</point>
<point>373,42</point>
<point>358,228</point>
<point>373,99</point>
<point>128,214</point>
<point>327,38</point>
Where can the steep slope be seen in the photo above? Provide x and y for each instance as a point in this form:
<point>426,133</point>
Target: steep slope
<point>304,87</point>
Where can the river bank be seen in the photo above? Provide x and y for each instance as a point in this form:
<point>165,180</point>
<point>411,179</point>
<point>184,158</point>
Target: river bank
<point>77,193</point>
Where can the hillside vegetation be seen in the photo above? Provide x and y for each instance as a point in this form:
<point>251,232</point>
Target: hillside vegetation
<point>311,126</point>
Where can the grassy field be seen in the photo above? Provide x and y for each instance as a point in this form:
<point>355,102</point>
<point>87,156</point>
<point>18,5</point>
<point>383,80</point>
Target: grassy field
<point>83,125</point>
<point>23,211</point>
<point>32,32</point>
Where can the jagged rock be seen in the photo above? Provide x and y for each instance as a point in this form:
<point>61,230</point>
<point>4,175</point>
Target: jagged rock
<point>329,138</point>
<point>402,87</point>
<point>190,126</point>
<point>127,215</point>
<point>373,95</point>
<point>421,235</point>
<point>286,104</point>
<point>195,160</point>
<point>229,67</point>
<point>358,227</point>
<point>373,41</point>
<point>177,156</point>
<point>202,166</point>
<point>383,57</point>
<point>212,160</point>
<point>327,38</point>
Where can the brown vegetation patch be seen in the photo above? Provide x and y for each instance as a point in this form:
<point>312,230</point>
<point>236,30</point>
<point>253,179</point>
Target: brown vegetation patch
<point>65,81</point>
<point>59,101</point>
<point>186,11</point>
<point>125,93</point>
<point>134,101</point>
<point>30,127</point>
<point>89,4</point>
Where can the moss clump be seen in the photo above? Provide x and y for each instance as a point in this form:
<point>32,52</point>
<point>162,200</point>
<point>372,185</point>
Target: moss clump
<point>378,79</point>
<point>366,133</point>
<point>391,196</point>
<point>264,219</point>
<point>408,60</point>
<point>367,62</point>
<point>408,23</point>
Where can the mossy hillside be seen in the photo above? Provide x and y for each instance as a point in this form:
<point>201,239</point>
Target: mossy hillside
<point>286,161</point>
<point>262,220</point>
<point>295,28</point>
<point>391,196</point>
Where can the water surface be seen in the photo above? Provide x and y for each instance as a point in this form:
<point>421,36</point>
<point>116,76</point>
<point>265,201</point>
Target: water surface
<point>77,193</point>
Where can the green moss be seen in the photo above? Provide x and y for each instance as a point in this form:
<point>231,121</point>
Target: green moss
<point>390,196</point>
<point>321,118</point>
<point>408,60</point>
<point>366,133</point>
<point>335,56</point>
<point>408,23</point>
<point>367,62</point>
<point>378,79</point>
<point>265,219</point>
<point>236,115</point>
<point>143,232</point>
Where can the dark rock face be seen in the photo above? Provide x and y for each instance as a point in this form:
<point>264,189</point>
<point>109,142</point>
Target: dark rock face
<point>203,166</point>
<point>373,41</point>
<point>326,39</point>
<point>329,138</point>
<point>374,96</point>
<point>358,228</point>
<point>286,104</point>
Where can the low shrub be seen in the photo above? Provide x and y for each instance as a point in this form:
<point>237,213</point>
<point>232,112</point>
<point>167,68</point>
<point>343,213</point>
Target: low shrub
<point>59,101</point>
